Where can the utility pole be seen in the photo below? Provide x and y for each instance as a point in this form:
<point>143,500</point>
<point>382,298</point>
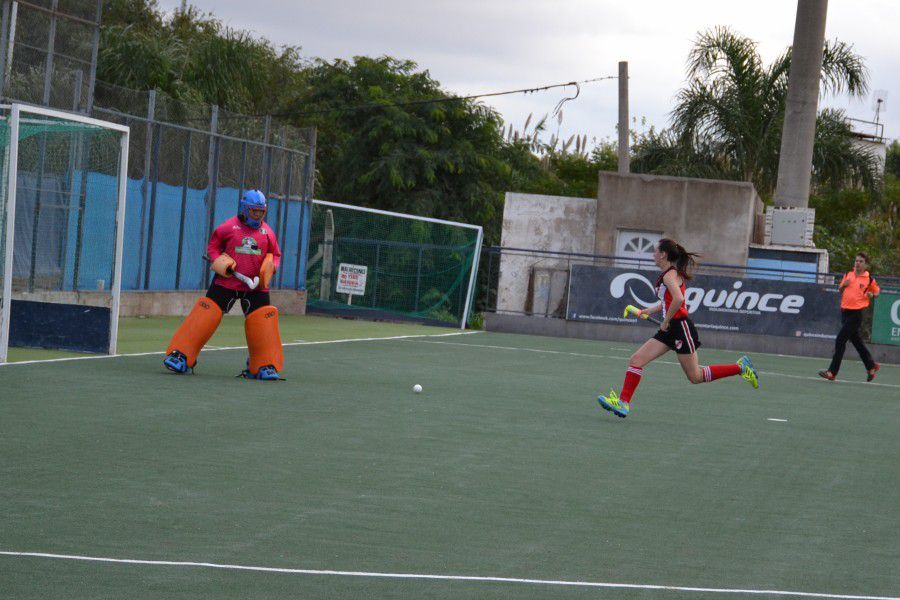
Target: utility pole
<point>798,135</point>
<point>624,156</point>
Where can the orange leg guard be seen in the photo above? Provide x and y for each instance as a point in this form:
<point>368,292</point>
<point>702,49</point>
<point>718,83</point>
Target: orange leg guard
<point>266,271</point>
<point>196,329</point>
<point>263,339</point>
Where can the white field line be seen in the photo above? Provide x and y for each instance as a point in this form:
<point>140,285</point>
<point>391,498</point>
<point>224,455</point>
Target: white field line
<point>218,348</point>
<point>665,362</point>
<point>427,576</point>
<point>778,420</point>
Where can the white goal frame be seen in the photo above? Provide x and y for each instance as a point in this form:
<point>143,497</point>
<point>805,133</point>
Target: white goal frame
<point>18,113</point>
<point>470,292</point>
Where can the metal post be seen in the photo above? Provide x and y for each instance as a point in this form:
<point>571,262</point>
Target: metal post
<point>471,292</point>
<point>120,241</point>
<point>36,219</point>
<point>624,156</point>
<point>212,168</point>
<point>487,288</point>
<point>12,158</point>
<point>84,163</point>
<point>157,142</point>
<point>375,278</point>
<point>309,176</point>
<point>10,45</point>
<point>148,150</point>
<point>184,188</point>
<point>92,81</point>
<point>267,156</point>
<point>418,280</point>
<point>76,93</point>
<point>242,176</point>
<point>51,44</point>
<point>74,157</point>
<point>4,33</point>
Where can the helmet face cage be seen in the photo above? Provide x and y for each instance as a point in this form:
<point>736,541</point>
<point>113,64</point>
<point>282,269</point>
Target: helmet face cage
<point>251,199</point>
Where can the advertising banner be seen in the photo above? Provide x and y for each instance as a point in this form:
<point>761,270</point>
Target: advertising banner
<point>886,322</point>
<point>714,302</point>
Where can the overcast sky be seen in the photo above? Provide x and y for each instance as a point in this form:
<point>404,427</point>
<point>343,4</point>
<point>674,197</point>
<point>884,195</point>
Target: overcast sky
<point>484,46</point>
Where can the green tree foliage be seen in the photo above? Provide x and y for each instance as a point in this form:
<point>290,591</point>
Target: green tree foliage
<point>387,144</point>
<point>727,121</point>
<point>892,159</point>
<point>851,220</point>
<point>193,57</point>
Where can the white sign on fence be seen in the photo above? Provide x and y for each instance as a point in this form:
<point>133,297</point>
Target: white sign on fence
<point>351,279</point>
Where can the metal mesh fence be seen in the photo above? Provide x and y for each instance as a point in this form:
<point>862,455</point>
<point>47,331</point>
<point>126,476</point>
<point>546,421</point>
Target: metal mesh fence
<point>189,162</point>
<point>416,268</point>
<point>187,176</point>
<point>53,51</point>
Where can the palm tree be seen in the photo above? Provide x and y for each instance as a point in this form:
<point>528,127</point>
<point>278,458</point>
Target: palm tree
<point>727,121</point>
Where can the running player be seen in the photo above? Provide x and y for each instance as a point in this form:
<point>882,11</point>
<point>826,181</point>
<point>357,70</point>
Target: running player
<point>676,332</point>
<point>244,244</point>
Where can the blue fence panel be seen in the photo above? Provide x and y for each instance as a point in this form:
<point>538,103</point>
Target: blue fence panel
<point>289,246</point>
<point>97,246</point>
<point>193,249</point>
<point>164,243</point>
<point>131,248</point>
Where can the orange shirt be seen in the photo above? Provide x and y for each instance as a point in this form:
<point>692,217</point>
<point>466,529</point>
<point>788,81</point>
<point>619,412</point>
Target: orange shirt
<point>854,295</point>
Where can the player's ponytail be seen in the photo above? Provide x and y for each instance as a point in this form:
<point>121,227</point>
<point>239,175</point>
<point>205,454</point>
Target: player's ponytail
<point>681,259</point>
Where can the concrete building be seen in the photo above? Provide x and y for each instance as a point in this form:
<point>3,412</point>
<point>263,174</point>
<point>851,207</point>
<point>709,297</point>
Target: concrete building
<point>719,219</point>
<point>715,218</point>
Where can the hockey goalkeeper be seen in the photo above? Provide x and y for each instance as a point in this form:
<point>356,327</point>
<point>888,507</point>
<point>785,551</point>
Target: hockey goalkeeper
<point>244,254</point>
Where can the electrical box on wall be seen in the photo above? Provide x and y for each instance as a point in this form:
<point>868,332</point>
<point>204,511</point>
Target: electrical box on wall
<point>790,226</point>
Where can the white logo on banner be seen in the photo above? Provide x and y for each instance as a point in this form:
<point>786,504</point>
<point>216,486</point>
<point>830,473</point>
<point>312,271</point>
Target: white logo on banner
<point>895,312</point>
<point>617,288</point>
<point>695,297</point>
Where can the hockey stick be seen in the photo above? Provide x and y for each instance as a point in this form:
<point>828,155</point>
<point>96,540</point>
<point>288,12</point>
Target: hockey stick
<point>634,310</point>
<point>251,283</point>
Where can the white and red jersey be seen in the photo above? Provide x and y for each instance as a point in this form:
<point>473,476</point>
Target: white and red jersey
<point>247,246</point>
<point>662,292</point>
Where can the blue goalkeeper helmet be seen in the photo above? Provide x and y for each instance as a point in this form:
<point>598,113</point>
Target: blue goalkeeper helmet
<point>251,199</point>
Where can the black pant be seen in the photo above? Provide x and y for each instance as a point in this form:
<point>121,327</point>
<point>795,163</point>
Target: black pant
<point>225,298</point>
<point>851,321</point>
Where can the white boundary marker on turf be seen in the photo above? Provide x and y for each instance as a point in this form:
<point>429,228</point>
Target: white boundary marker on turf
<point>218,348</point>
<point>665,362</point>
<point>473,578</point>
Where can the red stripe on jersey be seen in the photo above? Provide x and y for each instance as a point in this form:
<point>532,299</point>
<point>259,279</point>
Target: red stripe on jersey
<point>662,292</point>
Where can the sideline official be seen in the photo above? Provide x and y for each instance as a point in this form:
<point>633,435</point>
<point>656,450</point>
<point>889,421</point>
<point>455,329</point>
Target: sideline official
<point>857,288</point>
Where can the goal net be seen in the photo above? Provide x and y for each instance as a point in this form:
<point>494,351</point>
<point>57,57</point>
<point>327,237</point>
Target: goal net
<point>62,207</point>
<point>376,264</point>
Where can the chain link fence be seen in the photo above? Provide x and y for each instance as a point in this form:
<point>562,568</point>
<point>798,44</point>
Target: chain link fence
<point>188,167</point>
<point>48,50</point>
<point>189,163</point>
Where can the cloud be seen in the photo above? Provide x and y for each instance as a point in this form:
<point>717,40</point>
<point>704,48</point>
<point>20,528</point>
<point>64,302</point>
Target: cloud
<point>474,46</point>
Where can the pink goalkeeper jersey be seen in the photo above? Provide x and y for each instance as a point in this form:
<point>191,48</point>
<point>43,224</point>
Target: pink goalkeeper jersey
<point>247,246</point>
